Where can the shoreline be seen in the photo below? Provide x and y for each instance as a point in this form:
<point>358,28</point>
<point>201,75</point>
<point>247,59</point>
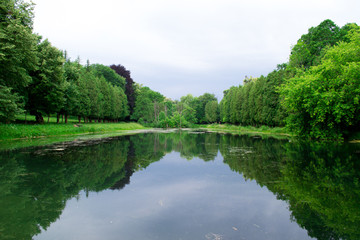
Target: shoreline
<point>112,131</point>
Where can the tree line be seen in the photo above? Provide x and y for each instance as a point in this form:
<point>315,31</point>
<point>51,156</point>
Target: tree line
<point>315,94</point>
<point>155,109</point>
<point>38,79</point>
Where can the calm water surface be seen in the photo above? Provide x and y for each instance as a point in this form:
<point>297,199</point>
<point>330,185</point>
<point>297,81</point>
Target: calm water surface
<point>181,186</point>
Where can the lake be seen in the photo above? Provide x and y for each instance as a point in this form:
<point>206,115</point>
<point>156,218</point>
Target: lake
<point>181,185</point>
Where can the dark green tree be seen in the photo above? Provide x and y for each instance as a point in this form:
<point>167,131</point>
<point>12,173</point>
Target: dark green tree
<point>46,92</point>
<point>130,89</point>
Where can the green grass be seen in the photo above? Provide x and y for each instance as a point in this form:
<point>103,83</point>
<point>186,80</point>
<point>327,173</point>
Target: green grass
<point>52,118</point>
<point>263,130</point>
<point>16,131</point>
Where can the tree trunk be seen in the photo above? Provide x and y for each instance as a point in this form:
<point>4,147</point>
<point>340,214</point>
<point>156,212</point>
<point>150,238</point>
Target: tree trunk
<point>48,118</point>
<point>66,118</point>
<point>79,118</point>
<point>39,118</point>
<point>58,118</point>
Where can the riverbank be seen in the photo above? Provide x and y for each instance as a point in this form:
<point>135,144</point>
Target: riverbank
<point>276,132</point>
<point>265,131</point>
<point>27,131</point>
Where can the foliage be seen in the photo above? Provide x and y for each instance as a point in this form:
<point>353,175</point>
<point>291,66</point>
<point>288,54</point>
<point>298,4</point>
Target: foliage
<point>17,44</point>
<point>17,55</point>
<point>257,102</point>
<point>148,105</point>
<point>324,101</point>
<point>199,105</point>
<point>47,81</point>
<point>46,91</point>
<point>318,87</point>
<point>109,74</point>
<point>10,105</point>
<point>311,46</point>
<point>129,86</point>
<point>315,94</point>
<point>212,111</point>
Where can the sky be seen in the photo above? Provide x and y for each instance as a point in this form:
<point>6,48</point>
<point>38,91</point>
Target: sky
<point>180,47</point>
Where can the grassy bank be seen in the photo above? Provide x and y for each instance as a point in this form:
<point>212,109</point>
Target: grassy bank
<point>276,132</point>
<point>263,130</point>
<point>17,131</point>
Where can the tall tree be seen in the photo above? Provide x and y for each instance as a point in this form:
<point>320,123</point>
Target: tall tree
<point>129,86</point>
<point>201,102</point>
<point>189,104</point>
<point>309,47</point>
<point>17,54</point>
<point>109,74</point>
<point>46,92</point>
<point>212,111</point>
<point>146,106</point>
<point>9,105</point>
<point>324,101</point>
<point>72,72</point>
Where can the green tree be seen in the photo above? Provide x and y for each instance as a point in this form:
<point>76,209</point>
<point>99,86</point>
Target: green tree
<point>223,107</point>
<point>324,101</point>
<point>273,114</point>
<point>72,71</point>
<point>189,114</point>
<point>109,74</point>
<point>104,99</point>
<point>17,44</point>
<point>46,92</point>
<point>147,105</point>
<point>199,105</point>
<point>309,49</point>
<point>10,105</point>
<point>120,107</point>
<point>71,100</point>
<point>84,96</point>
<point>212,111</point>
<point>17,55</point>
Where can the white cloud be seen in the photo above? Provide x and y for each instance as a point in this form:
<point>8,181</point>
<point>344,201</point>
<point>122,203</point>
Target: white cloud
<point>188,36</point>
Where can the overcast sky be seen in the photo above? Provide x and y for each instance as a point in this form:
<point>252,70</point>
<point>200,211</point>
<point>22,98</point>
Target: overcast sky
<point>178,47</point>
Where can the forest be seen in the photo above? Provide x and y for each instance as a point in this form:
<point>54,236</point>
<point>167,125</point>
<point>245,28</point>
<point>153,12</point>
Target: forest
<point>314,95</point>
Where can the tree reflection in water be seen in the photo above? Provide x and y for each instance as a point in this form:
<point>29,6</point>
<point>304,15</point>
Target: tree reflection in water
<point>319,182</point>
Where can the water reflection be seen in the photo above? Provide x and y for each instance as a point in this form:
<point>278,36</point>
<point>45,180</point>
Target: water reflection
<point>320,183</point>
